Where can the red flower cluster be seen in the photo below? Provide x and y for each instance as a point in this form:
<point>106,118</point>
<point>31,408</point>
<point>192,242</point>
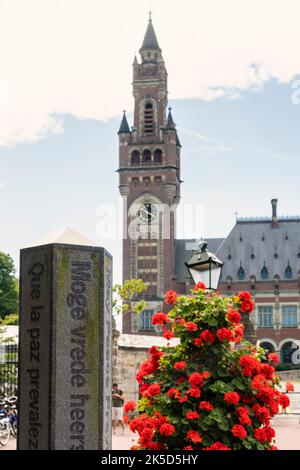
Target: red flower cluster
<point>181,365</point>
<point>234,316</point>
<point>168,334</point>
<point>129,406</point>
<point>191,326</point>
<point>224,334</point>
<point>249,365</point>
<point>265,434</point>
<point>232,398</point>
<point>205,405</point>
<point>171,297</point>
<point>289,387</point>
<point>192,415</point>
<point>238,333</point>
<point>262,413</point>
<point>247,305</point>
<point>199,286</point>
<point>243,414</point>
<point>217,446</point>
<point>194,437</point>
<point>196,379</point>
<point>207,336</point>
<point>173,393</point>
<point>273,358</point>
<point>194,392</point>
<point>167,430</point>
<point>154,390</point>
<point>239,431</point>
<point>159,318</point>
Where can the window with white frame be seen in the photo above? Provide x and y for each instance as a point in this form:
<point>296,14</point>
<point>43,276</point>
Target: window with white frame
<point>289,315</point>
<point>265,316</point>
<point>146,320</point>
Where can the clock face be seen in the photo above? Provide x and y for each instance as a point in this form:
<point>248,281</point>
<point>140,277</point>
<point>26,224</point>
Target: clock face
<point>147,213</point>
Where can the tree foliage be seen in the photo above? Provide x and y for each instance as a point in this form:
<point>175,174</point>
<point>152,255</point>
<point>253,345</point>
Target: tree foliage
<point>127,298</point>
<point>9,297</point>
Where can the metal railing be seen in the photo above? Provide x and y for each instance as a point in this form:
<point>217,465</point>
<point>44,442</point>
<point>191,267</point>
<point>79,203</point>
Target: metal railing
<point>8,368</point>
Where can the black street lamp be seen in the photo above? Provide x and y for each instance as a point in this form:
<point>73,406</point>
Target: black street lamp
<point>205,267</point>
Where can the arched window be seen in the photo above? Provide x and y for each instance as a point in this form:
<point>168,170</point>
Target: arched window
<point>158,181</point>
<point>286,353</point>
<point>288,272</point>
<point>241,273</point>
<point>158,156</point>
<point>135,157</point>
<point>264,273</point>
<point>267,347</point>
<point>147,156</point>
<point>149,127</point>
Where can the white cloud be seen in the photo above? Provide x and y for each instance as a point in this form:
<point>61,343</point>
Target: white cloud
<point>74,56</point>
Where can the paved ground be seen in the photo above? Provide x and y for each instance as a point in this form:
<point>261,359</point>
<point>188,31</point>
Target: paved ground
<point>287,435</point>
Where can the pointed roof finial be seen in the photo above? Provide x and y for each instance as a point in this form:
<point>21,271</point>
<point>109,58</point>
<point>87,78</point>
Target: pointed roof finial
<point>170,121</point>
<point>150,40</point>
<point>124,128</point>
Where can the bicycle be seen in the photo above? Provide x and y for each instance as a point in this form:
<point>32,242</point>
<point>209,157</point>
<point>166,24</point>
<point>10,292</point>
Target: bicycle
<point>8,419</point>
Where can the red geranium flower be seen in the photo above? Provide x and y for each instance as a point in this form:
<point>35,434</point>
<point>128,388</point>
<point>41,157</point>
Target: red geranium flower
<point>173,393</point>
<point>168,334</point>
<point>187,448</point>
<point>198,342</point>
<point>191,326</point>
<point>194,436</point>
<point>194,392</point>
<point>195,379</point>
<point>159,318</point>
<point>129,406</point>
<point>239,431</point>
<point>154,390</point>
<point>234,316</point>
<point>207,336</point>
<point>232,397</point>
<point>171,297</point>
<point>199,286</point>
<point>289,387</point>
<point>183,399</point>
<point>224,334</point>
<point>217,446</point>
<point>167,430</point>
<point>205,405</point>
<point>192,415</point>
<point>206,374</point>
<point>180,365</point>
<point>273,358</point>
<point>247,305</point>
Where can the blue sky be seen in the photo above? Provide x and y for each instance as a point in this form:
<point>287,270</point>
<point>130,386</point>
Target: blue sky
<point>65,77</point>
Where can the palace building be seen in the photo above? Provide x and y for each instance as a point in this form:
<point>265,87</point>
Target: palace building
<point>261,255</point>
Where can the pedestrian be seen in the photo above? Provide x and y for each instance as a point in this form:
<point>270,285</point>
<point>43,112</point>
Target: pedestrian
<point>117,407</point>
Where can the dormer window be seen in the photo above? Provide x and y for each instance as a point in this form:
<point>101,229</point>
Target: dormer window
<point>241,273</point>
<point>149,127</point>
<point>264,273</point>
<point>288,272</point>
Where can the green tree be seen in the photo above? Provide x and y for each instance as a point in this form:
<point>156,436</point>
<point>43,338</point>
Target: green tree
<point>127,298</point>
<point>9,296</point>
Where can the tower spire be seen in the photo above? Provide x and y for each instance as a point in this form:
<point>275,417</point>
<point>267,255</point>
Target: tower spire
<point>150,39</point>
<point>124,128</point>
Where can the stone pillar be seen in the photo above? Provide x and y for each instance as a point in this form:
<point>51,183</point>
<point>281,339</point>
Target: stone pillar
<point>65,345</point>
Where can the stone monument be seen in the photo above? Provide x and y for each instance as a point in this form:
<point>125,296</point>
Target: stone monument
<point>65,345</point>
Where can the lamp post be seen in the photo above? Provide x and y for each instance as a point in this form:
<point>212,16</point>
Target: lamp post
<point>205,267</point>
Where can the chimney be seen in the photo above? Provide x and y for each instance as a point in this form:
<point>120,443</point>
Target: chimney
<point>274,203</point>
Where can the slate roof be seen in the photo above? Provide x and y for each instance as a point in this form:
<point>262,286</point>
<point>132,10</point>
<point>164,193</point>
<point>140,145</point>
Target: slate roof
<point>253,244</point>
<point>150,40</point>
<point>124,128</point>
<point>184,250</point>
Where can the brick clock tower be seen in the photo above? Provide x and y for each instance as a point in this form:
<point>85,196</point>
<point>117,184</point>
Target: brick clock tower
<point>149,184</point>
